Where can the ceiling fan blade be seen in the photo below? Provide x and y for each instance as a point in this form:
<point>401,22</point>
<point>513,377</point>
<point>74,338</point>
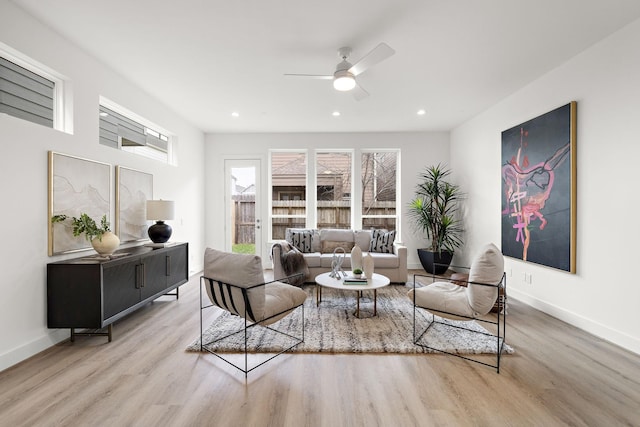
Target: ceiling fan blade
<point>311,76</point>
<point>359,93</point>
<point>378,54</point>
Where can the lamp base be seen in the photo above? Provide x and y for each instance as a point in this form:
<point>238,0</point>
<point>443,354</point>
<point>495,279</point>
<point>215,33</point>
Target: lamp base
<point>159,232</point>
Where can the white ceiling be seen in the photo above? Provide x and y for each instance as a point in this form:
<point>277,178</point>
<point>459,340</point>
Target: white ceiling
<point>454,58</point>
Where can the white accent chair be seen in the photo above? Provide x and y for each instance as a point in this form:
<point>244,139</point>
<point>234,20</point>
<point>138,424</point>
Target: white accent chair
<point>473,302</point>
<point>235,283</point>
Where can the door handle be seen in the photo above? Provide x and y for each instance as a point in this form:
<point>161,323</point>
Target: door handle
<point>144,276</point>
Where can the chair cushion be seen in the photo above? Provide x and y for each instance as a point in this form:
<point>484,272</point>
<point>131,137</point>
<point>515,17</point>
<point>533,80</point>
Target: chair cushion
<point>443,296</point>
<point>382,241</point>
<point>487,267</point>
<point>281,298</point>
<point>242,270</point>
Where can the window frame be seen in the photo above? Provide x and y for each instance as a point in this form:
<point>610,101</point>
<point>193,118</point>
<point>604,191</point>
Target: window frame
<point>271,216</point>
<point>396,217</point>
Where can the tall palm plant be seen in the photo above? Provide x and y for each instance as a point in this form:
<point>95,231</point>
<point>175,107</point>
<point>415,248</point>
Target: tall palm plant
<point>434,209</point>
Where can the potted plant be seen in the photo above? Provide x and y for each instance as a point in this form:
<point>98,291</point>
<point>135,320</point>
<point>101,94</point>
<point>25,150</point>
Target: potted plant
<point>434,212</point>
<point>100,237</point>
<point>357,273</point>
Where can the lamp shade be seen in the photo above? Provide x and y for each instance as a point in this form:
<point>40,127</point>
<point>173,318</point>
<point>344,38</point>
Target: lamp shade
<point>160,210</point>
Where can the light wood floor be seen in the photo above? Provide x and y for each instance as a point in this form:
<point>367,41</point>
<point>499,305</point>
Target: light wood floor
<point>559,375</point>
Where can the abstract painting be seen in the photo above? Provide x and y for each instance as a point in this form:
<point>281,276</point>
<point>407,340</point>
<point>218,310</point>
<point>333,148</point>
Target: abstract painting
<point>76,186</point>
<point>539,189</point>
<point>133,189</point>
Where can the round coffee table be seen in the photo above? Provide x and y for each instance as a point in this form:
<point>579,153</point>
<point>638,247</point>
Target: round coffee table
<point>376,282</point>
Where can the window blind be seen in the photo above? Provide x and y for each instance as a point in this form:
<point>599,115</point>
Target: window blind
<point>25,94</point>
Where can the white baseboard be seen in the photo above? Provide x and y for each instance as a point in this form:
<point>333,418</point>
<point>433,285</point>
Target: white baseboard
<point>32,348</point>
<point>599,330</point>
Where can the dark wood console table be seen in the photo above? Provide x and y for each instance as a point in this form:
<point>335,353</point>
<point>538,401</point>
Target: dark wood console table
<point>92,292</point>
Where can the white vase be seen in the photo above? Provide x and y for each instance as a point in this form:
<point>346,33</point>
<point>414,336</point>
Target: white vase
<point>107,245</point>
<point>367,266</point>
<point>356,258</point>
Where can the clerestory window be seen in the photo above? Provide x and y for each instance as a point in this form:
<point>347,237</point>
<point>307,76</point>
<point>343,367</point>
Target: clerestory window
<point>119,130</point>
<point>30,91</point>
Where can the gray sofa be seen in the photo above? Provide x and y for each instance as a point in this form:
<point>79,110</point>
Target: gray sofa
<point>318,247</point>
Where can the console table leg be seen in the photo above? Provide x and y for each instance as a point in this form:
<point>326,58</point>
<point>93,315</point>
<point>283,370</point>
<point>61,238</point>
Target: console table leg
<point>110,331</point>
<point>73,335</point>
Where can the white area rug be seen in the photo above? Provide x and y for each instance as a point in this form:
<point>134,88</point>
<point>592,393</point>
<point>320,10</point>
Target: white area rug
<point>333,328</point>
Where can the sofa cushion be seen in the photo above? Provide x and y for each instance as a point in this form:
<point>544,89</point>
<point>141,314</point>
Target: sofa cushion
<point>325,261</point>
<point>313,259</point>
<point>363,239</point>
<point>336,234</point>
<point>329,246</point>
<point>384,260</point>
<point>382,241</point>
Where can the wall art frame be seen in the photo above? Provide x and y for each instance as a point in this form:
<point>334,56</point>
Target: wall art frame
<point>539,188</point>
<point>75,186</point>
<point>133,189</point>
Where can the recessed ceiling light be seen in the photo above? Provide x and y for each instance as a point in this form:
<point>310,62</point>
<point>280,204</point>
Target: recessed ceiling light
<point>235,114</point>
<point>421,112</point>
<point>103,114</point>
<point>335,113</point>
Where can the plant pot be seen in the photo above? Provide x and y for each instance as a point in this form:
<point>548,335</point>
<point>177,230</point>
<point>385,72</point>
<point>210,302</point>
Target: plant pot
<point>107,245</point>
<point>435,262</point>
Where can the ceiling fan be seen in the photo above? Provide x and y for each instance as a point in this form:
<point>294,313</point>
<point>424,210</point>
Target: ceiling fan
<point>344,78</point>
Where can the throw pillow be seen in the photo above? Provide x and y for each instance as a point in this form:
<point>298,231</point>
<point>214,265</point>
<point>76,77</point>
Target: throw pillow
<point>301,240</point>
<point>382,241</point>
<point>329,246</point>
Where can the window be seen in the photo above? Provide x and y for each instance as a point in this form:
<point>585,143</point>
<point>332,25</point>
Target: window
<point>120,131</point>
<point>288,191</point>
<point>379,183</point>
<point>31,91</point>
<point>335,199</point>
<point>333,189</point>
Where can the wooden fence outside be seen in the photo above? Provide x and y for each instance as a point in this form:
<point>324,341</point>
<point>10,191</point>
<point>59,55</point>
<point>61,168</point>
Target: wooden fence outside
<point>330,214</point>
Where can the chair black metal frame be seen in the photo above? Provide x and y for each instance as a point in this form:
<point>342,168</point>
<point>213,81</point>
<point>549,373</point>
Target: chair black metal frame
<point>247,324</point>
<point>500,322</point>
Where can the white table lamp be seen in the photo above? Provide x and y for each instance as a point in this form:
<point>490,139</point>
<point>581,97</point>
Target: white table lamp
<point>160,211</point>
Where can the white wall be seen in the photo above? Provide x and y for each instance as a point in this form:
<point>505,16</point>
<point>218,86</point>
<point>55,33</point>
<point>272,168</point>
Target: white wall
<point>418,150</point>
<point>603,296</point>
<point>23,178</point>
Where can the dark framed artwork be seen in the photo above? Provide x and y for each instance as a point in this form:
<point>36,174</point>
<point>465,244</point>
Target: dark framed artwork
<point>76,186</point>
<point>133,189</point>
<point>539,189</point>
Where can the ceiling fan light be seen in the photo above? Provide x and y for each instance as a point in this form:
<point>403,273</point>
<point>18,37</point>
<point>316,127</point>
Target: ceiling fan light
<point>344,81</point>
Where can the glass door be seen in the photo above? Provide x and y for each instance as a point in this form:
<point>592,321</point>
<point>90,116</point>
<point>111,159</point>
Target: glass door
<point>243,222</point>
